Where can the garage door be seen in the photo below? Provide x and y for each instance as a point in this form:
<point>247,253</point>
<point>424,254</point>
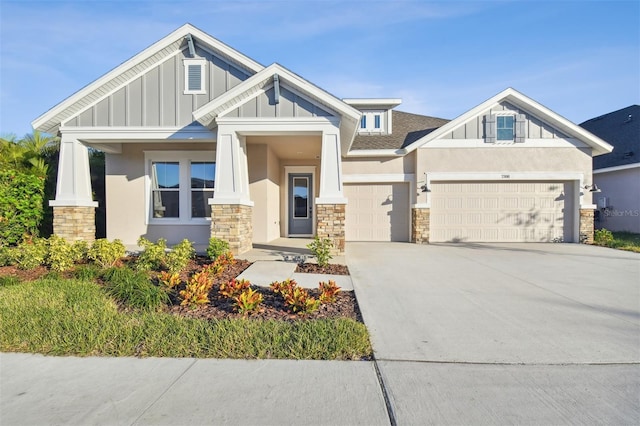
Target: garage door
<point>501,211</point>
<point>377,212</point>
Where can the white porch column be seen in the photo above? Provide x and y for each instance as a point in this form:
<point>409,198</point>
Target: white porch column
<point>74,208</point>
<point>73,187</point>
<point>331,170</point>
<point>232,177</point>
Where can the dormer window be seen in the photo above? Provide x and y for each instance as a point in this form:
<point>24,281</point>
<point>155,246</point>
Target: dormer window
<point>371,121</point>
<point>194,76</point>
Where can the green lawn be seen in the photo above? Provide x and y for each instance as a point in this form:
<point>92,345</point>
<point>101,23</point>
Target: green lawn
<point>75,317</point>
<point>619,240</point>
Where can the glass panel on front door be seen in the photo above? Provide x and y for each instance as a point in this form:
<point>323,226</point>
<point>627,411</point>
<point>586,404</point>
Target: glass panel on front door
<point>301,197</point>
<point>300,210</point>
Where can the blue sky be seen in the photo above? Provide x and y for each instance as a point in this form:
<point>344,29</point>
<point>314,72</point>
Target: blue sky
<point>579,58</point>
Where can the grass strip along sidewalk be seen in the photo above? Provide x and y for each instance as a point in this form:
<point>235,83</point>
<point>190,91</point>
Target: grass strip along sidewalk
<point>56,316</point>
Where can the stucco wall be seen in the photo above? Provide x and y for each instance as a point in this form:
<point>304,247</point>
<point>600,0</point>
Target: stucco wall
<point>376,165</point>
<point>622,189</point>
<point>126,199</point>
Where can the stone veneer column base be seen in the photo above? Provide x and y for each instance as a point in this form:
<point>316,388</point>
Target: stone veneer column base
<point>232,223</point>
<point>586,226</point>
<point>75,223</point>
<point>330,224</point>
<point>420,222</point>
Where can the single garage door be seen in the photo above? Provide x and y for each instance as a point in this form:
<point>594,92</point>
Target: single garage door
<point>501,211</point>
<point>377,212</point>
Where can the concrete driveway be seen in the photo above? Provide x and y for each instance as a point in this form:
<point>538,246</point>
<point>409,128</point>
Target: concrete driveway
<point>511,333</point>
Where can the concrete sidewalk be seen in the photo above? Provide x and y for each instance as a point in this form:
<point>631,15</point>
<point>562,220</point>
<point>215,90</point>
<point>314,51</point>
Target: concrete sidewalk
<point>39,390</point>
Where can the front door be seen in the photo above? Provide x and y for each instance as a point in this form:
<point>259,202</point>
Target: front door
<point>300,204</point>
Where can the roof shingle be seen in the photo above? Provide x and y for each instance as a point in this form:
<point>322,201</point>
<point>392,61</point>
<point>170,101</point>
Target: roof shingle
<point>406,129</point>
<point>622,130</point>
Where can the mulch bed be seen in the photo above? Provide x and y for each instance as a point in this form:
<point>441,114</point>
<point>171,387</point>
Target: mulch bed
<point>313,268</point>
<point>272,307</point>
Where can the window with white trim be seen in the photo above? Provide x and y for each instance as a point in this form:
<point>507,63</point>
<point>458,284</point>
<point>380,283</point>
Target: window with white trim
<point>194,76</point>
<point>505,127</point>
<point>180,186</point>
<point>371,121</point>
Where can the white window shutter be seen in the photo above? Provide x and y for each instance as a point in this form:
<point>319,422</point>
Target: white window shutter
<point>521,121</point>
<point>490,128</point>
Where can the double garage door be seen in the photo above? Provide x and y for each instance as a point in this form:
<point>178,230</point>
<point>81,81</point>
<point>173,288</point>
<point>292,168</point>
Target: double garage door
<point>478,211</point>
<point>501,211</point>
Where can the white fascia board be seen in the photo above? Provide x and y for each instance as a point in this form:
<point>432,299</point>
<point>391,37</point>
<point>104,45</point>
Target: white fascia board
<point>518,99</point>
<point>377,153</point>
<point>127,134</point>
<point>372,102</point>
<point>181,32</point>
<point>528,143</point>
<point>265,126</point>
<point>616,168</point>
<point>251,87</point>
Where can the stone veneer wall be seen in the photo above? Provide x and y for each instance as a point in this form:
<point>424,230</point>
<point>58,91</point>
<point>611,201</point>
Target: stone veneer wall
<point>232,223</point>
<point>586,226</point>
<point>330,224</point>
<point>420,222</point>
<point>75,223</point>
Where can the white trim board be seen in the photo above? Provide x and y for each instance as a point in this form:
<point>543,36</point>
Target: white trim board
<point>528,143</point>
<point>616,168</point>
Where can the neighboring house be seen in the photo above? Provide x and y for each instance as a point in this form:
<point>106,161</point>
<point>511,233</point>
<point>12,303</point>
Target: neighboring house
<point>202,141</point>
<point>617,174</point>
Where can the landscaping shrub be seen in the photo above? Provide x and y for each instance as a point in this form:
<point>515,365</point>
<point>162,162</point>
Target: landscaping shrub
<point>61,255</point>
<point>321,249</point>
<point>155,256</point>
<point>178,258</point>
<point>6,256</point>
<point>603,237</point>
<point>297,299</point>
<point>248,301</point>
<point>134,289</point>
<point>328,291</point>
<point>106,253</point>
<point>197,290</point>
<point>216,248</point>
<point>30,253</point>
<point>152,256</point>
<point>169,280</point>
<point>21,211</point>
<point>233,288</point>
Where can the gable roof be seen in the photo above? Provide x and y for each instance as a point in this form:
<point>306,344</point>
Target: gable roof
<point>349,116</point>
<point>621,129</point>
<point>50,121</point>
<point>519,100</point>
<point>407,128</point>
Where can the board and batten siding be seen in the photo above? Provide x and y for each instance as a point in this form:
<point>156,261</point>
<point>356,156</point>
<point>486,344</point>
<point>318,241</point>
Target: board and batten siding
<point>156,98</point>
<point>289,105</point>
<point>475,127</point>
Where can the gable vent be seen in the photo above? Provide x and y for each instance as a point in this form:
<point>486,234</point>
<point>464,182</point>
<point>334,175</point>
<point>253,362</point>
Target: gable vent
<point>195,77</point>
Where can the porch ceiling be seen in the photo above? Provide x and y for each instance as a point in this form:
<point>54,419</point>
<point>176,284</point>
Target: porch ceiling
<point>299,147</point>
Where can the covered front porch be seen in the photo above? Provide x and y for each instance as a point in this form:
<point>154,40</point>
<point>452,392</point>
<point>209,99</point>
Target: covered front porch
<point>277,184</point>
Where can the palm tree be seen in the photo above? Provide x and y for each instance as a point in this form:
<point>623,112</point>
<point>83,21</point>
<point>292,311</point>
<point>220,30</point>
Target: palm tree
<point>29,154</point>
